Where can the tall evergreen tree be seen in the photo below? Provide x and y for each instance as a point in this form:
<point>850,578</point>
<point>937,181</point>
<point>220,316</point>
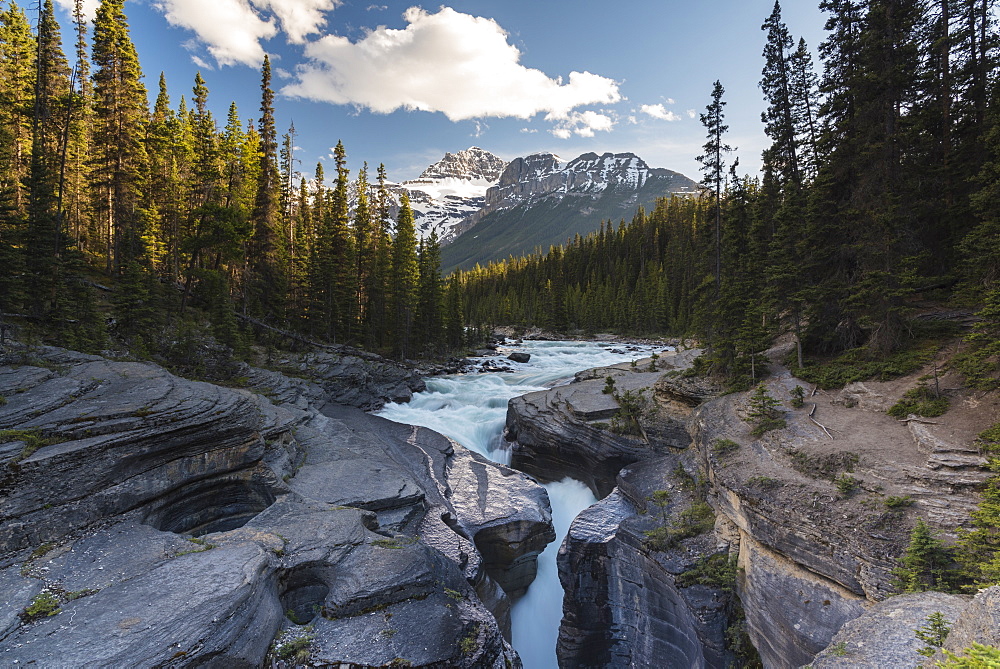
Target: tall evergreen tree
<point>266,280</point>
<point>120,111</point>
<point>404,279</point>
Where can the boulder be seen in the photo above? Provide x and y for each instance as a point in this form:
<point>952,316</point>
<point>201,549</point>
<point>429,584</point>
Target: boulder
<point>519,356</point>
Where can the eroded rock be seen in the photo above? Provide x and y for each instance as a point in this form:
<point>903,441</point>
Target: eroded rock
<point>181,522</point>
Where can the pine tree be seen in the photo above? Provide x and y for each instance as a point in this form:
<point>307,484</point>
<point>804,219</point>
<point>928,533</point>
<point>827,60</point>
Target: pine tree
<point>266,281</point>
<point>714,166</point>
<point>926,563</point>
<point>119,159</point>
<point>17,67</point>
<point>430,299</point>
<point>404,280</point>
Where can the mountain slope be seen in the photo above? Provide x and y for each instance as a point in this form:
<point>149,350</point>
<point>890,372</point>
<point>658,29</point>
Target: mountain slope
<point>451,190</point>
<point>540,201</point>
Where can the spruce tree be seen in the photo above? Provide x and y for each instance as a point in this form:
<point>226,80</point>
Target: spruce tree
<point>404,280</point>
<point>267,281</point>
<point>119,160</point>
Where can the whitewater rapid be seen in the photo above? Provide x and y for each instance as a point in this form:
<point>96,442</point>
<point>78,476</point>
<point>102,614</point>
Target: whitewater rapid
<point>472,410</point>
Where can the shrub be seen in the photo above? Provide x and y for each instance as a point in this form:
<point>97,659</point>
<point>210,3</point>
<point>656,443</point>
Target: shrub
<point>847,484</point>
<point>723,447</point>
<point>894,502</point>
<point>609,385</point>
<point>920,401</point>
<point>631,407</point>
<point>764,412</point>
<point>798,397</point>
<point>715,571</point>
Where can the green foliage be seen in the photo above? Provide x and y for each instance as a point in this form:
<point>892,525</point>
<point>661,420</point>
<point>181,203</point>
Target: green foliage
<point>826,466</point>
<point>839,649</point>
<point>32,439</point>
<point>693,521</point>
<point>609,385</point>
<point>898,502</point>
<point>715,571</point>
<point>847,484</point>
<point>798,397</point>
<point>981,364</point>
<point>979,545</point>
<point>470,642</point>
<point>927,563</point>
<point>920,401</point>
<point>860,364</point>
<point>294,644</point>
<point>45,604</point>
<point>933,633</point>
<point>724,447</point>
<point>763,482</point>
<point>977,656</point>
<point>764,412</point>
<point>632,406</point>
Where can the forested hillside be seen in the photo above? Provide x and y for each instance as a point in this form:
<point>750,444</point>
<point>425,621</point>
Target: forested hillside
<point>171,211</point>
<point>880,191</point>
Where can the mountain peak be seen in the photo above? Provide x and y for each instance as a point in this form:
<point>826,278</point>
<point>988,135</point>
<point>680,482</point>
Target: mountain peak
<point>473,164</point>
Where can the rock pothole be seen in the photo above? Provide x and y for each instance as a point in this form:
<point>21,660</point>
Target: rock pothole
<point>210,506</point>
<point>303,594</point>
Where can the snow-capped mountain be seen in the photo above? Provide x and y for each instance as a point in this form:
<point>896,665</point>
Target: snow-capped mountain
<point>483,208</point>
<point>540,200</point>
<point>451,190</point>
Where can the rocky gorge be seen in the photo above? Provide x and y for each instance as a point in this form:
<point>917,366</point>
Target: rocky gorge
<point>152,520</point>
<point>811,558</point>
<point>148,519</point>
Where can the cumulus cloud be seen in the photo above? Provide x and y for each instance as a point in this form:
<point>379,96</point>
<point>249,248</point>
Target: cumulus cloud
<point>299,17</point>
<point>448,62</point>
<point>583,124</point>
<point>232,30</point>
<point>89,7</point>
<point>660,112</point>
<point>691,113</point>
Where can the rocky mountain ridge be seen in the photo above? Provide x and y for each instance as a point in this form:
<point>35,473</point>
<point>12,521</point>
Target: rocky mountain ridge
<point>457,192</point>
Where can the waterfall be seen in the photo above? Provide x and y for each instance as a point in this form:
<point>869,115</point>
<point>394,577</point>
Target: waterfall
<point>472,409</point>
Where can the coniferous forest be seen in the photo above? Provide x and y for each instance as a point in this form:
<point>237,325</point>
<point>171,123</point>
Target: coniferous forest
<point>139,224</point>
<point>879,193</point>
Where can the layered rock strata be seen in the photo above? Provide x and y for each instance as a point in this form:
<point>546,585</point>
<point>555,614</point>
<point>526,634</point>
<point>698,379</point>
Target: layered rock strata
<point>151,520</point>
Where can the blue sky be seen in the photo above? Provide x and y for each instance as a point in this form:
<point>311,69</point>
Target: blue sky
<point>401,83</point>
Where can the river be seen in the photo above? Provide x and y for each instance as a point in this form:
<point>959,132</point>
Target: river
<point>471,409</point>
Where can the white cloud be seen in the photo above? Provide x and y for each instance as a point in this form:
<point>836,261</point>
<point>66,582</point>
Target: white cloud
<point>299,17</point>
<point>529,131</point>
<point>448,62</point>
<point>670,101</point>
<point>231,29</point>
<point>691,113</point>
<point>89,7</point>
<point>660,112</point>
<point>584,124</point>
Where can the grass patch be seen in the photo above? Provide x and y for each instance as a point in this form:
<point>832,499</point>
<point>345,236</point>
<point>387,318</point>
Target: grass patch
<point>33,440</point>
<point>763,482</point>
<point>44,605</point>
<point>470,642</point>
<point>920,401</point>
<point>394,543</point>
<point>693,521</point>
<point>858,364</point>
<point>988,440</point>
<point>847,484</point>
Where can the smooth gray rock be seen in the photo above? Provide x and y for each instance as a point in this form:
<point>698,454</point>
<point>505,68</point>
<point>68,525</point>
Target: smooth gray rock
<point>622,606</point>
<point>190,524</point>
<point>519,356</point>
<point>885,635</point>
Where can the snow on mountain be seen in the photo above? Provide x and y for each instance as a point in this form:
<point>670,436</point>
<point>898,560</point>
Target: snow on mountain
<point>451,190</point>
<point>456,192</point>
